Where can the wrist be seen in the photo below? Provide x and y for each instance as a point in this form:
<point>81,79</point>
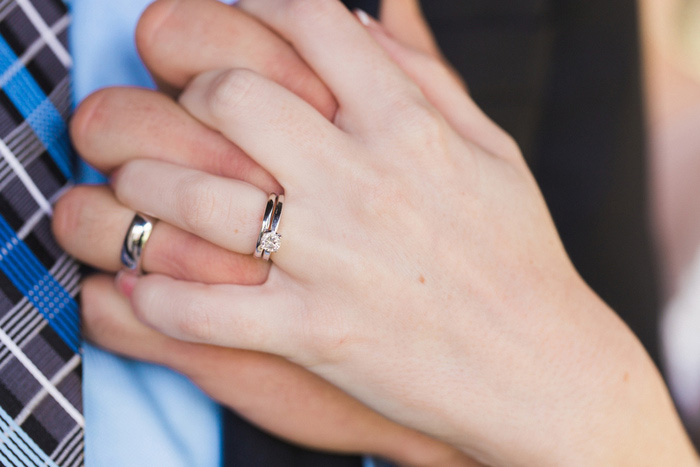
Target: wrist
<point>585,393</point>
<point>628,417</point>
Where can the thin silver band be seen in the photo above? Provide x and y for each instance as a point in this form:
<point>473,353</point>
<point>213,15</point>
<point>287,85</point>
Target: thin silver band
<point>275,223</point>
<point>269,239</point>
<point>135,241</point>
<point>267,219</point>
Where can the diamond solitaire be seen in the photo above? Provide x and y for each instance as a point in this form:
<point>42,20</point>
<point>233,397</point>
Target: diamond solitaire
<point>270,241</point>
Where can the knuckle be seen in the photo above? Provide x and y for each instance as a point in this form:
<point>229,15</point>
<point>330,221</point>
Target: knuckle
<point>151,21</point>
<point>196,202</point>
<point>91,116</point>
<point>424,135</point>
<point>124,179</point>
<point>425,128</point>
<point>68,215</point>
<point>230,90</point>
<point>101,122</point>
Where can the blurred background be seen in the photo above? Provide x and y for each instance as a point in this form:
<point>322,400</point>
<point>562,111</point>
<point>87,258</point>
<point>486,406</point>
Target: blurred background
<point>671,44</point>
<point>671,51</point>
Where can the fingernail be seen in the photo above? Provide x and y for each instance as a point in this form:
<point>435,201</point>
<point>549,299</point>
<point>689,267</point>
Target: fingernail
<point>125,283</point>
<point>364,17</point>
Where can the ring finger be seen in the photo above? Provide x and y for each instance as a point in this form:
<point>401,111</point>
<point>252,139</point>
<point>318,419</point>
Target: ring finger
<point>223,211</point>
<point>90,224</point>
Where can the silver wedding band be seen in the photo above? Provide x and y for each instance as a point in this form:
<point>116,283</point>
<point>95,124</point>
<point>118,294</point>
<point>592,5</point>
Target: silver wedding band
<point>269,240</point>
<point>135,241</point>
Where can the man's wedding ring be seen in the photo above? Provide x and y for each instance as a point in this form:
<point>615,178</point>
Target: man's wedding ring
<point>135,241</point>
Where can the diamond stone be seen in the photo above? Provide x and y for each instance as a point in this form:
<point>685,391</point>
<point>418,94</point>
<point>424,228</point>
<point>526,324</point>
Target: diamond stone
<point>270,241</point>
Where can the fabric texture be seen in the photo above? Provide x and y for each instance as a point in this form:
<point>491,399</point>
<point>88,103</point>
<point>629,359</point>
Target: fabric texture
<point>40,365</point>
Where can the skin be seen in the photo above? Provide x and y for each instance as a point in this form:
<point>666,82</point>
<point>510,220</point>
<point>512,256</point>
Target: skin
<point>177,40</point>
<point>481,340</point>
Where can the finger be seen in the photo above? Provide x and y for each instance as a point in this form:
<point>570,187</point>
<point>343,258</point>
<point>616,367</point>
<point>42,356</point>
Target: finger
<point>276,128</point>
<point>404,20</point>
<point>223,211</point>
<point>342,54</point>
<point>259,318</point>
<point>181,39</point>
<point>443,89</point>
<point>269,391</point>
<point>90,224</point>
<point>108,322</point>
<point>115,125</point>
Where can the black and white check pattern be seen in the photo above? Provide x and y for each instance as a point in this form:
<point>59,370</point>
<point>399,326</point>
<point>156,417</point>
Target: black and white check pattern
<point>41,421</point>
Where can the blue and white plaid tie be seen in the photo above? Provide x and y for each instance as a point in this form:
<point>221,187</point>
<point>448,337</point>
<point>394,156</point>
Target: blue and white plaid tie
<point>41,421</point>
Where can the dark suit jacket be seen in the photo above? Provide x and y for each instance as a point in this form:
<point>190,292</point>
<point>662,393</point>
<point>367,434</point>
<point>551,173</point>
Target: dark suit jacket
<point>563,77</point>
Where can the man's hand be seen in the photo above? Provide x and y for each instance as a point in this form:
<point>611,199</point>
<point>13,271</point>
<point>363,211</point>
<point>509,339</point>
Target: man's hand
<point>178,40</point>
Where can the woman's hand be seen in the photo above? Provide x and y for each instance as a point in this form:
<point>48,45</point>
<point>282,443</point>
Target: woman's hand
<point>177,40</point>
<point>420,270</point>
<point>273,393</point>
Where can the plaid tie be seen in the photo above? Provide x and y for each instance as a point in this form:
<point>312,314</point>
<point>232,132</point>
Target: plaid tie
<point>41,421</point>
